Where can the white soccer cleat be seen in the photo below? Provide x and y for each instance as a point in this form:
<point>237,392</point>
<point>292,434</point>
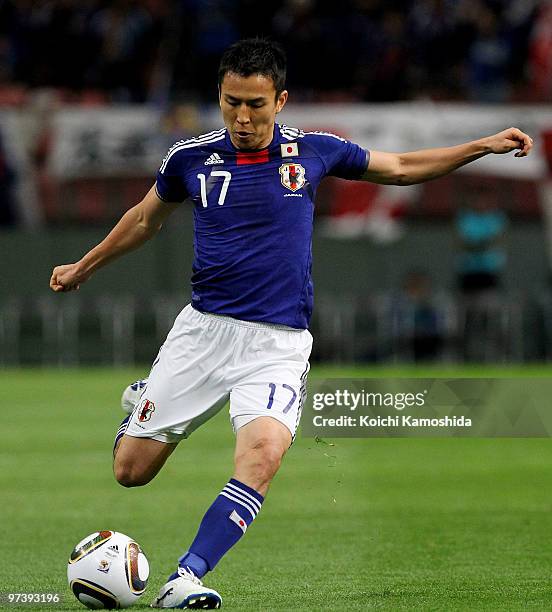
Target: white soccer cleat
<point>186,591</point>
<point>132,394</point>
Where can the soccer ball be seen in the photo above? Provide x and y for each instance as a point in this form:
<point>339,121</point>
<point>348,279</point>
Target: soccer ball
<point>107,570</point>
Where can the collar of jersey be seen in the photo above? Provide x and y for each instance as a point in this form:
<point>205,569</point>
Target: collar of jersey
<point>276,137</point>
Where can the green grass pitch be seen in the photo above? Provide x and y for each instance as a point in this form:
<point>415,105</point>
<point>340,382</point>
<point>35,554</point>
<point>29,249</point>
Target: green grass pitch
<point>391,524</point>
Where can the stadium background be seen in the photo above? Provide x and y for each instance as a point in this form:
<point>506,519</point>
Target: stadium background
<point>91,95</point>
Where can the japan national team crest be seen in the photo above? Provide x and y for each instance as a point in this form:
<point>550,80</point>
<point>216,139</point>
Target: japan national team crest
<point>292,176</point>
<point>145,410</point>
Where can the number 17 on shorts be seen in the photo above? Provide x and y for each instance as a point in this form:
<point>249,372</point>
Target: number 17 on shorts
<point>281,401</point>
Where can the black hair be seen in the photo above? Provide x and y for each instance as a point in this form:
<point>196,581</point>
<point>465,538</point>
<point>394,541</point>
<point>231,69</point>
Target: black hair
<point>255,56</point>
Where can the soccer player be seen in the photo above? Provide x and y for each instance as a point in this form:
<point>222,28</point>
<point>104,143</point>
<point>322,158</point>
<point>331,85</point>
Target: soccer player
<point>244,337</point>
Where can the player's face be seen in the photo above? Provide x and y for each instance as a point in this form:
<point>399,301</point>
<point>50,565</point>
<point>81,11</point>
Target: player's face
<point>249,108</point>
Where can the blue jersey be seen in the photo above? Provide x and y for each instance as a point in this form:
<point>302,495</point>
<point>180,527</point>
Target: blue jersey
<point>253,215</point>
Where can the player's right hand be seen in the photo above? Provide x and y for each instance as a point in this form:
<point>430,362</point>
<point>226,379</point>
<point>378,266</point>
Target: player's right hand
<point>67,278</point>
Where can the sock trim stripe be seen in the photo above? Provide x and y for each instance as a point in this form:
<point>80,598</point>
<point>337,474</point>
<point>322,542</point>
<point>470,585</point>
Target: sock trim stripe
<point>123,426</point>
<point>121,431</point>
<point>246,489</point>
<point>242,503</point>
<point>242,499</point>
<point>237,490</point>
<point>245,499</point>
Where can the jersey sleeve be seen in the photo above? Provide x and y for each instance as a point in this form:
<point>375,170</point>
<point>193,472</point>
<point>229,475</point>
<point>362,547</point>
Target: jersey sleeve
<point>169,183</point>
<point>342,158</point>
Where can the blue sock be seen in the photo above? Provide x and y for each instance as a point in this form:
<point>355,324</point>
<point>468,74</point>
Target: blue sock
<point>121,431</point>
<point>222,526</point>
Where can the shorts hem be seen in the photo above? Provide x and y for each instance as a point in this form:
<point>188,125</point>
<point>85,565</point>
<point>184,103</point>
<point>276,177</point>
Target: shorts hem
<point>253,416</point>
<point>166,438</point>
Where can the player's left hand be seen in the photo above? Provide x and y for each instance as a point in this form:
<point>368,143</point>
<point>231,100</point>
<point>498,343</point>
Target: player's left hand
<point>511,139</point>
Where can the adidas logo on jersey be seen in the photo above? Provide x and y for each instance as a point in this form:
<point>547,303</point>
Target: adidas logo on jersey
<point>215,158</point>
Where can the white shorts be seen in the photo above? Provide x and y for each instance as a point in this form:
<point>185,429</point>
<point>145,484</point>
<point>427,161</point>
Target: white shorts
<point>207,360</point>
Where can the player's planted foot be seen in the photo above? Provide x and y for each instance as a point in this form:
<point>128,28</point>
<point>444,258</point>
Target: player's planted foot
<point>184,590</point>
<point>132,394</point>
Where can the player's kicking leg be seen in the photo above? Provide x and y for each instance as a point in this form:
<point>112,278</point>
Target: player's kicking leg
<point>260,447</point>
<point>136,461</point>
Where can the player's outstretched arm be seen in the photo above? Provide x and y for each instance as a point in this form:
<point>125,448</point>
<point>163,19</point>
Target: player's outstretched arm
<point>420,166</point>
<point>135,227</point>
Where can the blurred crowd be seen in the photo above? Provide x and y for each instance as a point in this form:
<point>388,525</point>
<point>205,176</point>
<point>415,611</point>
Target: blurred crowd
<point>352,50</point>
